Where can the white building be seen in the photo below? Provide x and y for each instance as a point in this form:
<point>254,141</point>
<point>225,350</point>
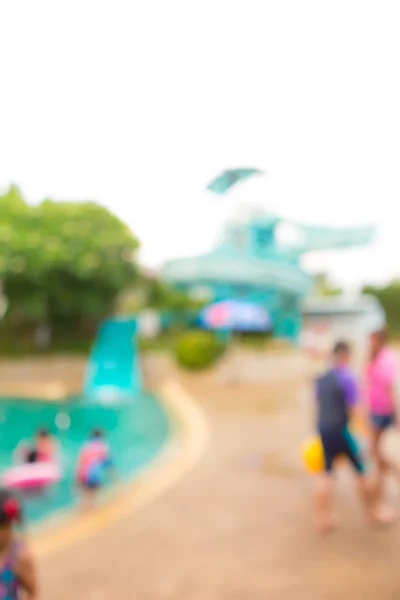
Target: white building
<point>348,317</point>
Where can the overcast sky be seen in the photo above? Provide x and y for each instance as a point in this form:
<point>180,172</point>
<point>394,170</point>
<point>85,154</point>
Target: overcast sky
<point>139,103</point>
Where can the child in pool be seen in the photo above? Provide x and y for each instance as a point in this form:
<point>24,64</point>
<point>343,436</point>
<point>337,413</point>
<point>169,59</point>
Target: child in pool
<point>45,446</point>
<point>93,461</point>
<point>17,570</point>
<point>43,449</point>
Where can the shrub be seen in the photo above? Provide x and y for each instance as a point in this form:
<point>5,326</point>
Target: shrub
<point>198,349</point>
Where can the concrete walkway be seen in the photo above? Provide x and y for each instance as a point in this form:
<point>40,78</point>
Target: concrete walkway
<point>239,526</point>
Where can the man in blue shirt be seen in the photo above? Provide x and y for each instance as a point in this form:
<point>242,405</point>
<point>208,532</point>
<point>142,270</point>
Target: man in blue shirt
<point>336,397</point>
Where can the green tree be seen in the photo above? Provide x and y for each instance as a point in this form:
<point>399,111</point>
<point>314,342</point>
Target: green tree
<point>389,297</point>
<point>151,292</point>
<point>177,304</point>
<point>324,287</point>
<point>62,263</point>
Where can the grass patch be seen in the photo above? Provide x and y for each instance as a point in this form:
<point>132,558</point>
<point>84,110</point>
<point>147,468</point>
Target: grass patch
<point>20,348</point>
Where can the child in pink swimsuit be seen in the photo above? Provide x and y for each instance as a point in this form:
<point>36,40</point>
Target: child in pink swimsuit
<point>380,376</point>
<point>17,571</point>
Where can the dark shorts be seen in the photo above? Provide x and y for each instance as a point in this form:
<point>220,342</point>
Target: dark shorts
<point>32,456</point>
<point>93,478</point>
<point>340,442</point>
<point>90,485</point>
<point>382,422</point>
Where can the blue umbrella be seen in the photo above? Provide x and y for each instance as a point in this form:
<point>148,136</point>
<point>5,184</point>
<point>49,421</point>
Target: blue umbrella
<point>235,315</point>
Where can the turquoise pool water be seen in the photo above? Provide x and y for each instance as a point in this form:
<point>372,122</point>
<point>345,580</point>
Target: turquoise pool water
<point>136,431</point>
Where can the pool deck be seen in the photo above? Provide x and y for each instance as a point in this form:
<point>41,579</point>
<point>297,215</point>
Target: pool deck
<point>50,378</point>
<point>238,525</point>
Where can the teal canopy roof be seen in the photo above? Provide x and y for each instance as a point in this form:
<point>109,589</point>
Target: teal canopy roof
<point>229,177</point>
<point>241,271</point>
<point>264,250</point>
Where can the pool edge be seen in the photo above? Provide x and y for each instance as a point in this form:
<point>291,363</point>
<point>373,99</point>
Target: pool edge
<point>188,444</point>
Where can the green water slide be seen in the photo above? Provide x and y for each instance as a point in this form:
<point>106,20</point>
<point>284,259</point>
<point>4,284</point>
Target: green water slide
<point>113,365</point>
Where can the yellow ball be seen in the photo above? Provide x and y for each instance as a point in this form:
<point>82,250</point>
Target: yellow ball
<point>313,454</point>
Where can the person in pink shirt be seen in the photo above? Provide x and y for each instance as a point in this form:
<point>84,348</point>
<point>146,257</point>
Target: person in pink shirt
<point>380,379</point>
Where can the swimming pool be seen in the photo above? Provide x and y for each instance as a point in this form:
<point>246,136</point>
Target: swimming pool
<point>137,428</point>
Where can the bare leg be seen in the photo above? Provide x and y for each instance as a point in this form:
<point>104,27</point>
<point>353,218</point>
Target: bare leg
<point>376,512</point>
<point>324,518</point>
<point>383,465</point>
<point>88,499</point>
<point>376,435</point>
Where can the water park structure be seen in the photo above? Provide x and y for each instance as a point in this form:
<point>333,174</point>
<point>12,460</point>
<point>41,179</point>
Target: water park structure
<point>258,260</point>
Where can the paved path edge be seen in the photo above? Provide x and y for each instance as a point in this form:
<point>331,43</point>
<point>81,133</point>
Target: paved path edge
<point>190,440</point>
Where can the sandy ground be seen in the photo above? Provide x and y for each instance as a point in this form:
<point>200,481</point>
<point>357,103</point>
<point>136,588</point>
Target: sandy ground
<point>239,526</point>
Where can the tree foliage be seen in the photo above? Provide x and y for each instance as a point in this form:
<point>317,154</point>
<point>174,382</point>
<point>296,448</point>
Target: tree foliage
<point>62,263</point>
<point>324,287</point>
<point>177,306</point>
<point>389,297</point>
<point>164,296</point>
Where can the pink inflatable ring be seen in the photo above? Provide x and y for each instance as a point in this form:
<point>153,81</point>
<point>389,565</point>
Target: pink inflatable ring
<point>31,475</point>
